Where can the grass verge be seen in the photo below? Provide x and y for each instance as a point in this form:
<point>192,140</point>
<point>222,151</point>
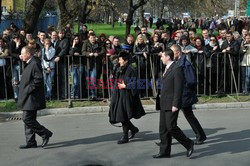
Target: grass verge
<point>10,106</point>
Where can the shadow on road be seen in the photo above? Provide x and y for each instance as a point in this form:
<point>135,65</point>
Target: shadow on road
<point>141,136</point>
<point>235,142</point>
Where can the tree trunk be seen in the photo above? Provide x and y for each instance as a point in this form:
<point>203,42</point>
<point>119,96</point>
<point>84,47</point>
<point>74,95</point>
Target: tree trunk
<point>129,22</point>
<point>84,12</point>
<point>132,9</point>
<point>66,15</point>
<point>162,9</point>
<point>113,18</point>
<point>32,15</point>
<point>142,20</point>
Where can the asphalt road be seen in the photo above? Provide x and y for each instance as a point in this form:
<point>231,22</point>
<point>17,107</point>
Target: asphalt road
<point>89,139</point>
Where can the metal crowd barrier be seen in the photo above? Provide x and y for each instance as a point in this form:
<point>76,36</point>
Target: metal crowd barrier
<point>212,72</point>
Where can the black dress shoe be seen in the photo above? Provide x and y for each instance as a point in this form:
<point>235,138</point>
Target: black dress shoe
<point>27,146</point>
<point>46,139</point>
<point>199,142</point>
<point>190,150</point>
<point>123,140</point>
<point>133,132</point>
<point>161,155</point>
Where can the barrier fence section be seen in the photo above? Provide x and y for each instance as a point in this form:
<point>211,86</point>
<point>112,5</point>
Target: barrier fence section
<point>85,78</point>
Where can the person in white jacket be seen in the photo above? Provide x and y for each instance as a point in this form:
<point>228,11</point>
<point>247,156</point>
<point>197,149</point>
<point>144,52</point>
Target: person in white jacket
<point>48,64</point>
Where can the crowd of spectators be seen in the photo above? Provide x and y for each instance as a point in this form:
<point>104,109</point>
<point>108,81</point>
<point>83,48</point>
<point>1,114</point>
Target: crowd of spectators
<point>85,57</point>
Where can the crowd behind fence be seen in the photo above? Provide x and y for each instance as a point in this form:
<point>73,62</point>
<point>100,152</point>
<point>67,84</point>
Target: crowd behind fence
<point>79,83</point>
<point>83,66</point>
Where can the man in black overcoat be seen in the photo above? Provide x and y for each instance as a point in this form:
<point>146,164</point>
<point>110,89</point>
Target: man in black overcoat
<point>170,103</point>
<point>32,98</point>
<point>189,96</point>
<point>125,102</point>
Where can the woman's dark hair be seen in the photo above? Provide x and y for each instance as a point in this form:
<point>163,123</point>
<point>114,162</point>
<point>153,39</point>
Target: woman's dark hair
<point>107,40</point>
<point>124,55</point>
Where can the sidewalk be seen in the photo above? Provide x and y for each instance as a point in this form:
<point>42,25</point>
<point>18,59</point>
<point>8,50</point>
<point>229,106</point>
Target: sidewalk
<point>148,108</point>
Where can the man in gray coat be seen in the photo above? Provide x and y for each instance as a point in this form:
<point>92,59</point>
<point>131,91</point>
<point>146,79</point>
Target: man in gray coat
<point>32,98</point>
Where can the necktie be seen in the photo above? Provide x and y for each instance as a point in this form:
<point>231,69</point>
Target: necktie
<point>165,71</point>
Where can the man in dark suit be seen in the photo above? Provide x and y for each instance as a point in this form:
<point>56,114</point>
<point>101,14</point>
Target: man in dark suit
<point>32,98</point>
<point>170,103</point>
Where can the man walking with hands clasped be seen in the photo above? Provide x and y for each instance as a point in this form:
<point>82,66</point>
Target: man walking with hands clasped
<point>170,103</point>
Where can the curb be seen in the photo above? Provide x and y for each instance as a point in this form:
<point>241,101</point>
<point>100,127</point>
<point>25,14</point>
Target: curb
<point>148,109</point>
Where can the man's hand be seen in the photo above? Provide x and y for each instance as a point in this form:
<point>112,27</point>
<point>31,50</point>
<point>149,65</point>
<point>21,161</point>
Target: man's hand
<point>57,59</point>
<point>21,57</point>
<point>174,109</point>
<point>48,70</point>
<point>95,54</point>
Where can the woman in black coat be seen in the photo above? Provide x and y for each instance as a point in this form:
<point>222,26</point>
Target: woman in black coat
<point>125,102</point>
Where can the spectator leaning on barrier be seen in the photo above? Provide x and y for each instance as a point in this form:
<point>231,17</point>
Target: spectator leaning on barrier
<point>7,35</point>
<point>4,52</point>
<point>245,65</point>
<point>41,36</point>
<point>205,36</point>
<point>222,36</point>
<point>83,32</point>
<point>130,41</point>
<point>117,47</point>
<point>92,50</point>
<point>144,32</point>
<point>244,33</point>
<point>76,68</point>
<point>229,47</point>
<point>166,39</point>
<point>186,48</point>
<point>213,48</point>
<point>200,60</point>
<point>141,52</point>
<point>155,48</point>
<point>15,47</point>
<point>62,49</point>
<point>28,37</point>
<point>37,50</point>
<point>48,65</point>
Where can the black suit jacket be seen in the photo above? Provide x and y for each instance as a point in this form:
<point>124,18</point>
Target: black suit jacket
<point>31,90</point>
<point>172,88</point>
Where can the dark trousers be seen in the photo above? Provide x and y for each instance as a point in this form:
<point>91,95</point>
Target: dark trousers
<point>62,77</point>
<point>33,127</point>
<point>168,128</point>
<point>194,123</point>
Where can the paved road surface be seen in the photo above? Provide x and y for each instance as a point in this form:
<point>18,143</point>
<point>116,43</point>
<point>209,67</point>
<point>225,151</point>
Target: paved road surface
<point>89,138</point>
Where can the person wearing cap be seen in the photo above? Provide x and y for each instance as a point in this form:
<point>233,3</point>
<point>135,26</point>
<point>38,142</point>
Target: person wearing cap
<point>125,102</point>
